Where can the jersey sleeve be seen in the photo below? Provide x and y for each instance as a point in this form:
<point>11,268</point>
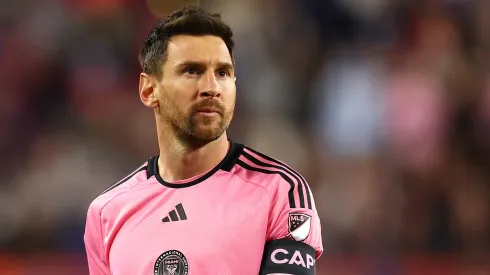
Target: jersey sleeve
<point>295,222</point>
<point>294,240</point>
<point>94,245</point>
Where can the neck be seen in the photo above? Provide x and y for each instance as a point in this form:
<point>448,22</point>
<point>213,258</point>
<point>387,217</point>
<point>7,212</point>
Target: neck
<point>179,161</point>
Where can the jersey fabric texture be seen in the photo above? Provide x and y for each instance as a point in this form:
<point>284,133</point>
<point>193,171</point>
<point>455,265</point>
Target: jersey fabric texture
<point>215,223</point>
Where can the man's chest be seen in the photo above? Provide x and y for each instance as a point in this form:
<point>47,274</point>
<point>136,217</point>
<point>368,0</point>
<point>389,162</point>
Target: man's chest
<point>206,232</point>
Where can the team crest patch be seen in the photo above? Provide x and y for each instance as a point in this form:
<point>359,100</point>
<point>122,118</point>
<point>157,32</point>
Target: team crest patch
<point>171,262</point>
<point>299,225</point>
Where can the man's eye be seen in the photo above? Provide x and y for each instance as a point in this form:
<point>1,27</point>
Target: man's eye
<point>223,73</point>
<point>190,71</point>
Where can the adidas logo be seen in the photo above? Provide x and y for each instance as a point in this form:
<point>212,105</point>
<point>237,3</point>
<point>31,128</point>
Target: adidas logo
<point>176,216</point>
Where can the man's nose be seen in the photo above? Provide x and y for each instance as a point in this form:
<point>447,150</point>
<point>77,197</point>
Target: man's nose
<point>209,86</point>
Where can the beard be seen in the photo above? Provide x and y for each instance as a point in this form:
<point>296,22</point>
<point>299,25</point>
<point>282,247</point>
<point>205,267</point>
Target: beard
<point>196,129</point>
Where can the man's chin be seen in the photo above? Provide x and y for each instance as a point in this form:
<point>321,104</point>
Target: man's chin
<point>208,135</point>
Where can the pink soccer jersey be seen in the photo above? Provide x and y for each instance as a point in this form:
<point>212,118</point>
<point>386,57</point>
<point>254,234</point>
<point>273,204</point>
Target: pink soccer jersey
<point>216,223</point>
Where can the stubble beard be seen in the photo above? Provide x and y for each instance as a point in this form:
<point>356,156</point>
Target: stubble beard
<point>195,131</point>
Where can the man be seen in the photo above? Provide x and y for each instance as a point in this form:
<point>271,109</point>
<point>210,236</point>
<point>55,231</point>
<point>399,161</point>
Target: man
<point>204,205</point>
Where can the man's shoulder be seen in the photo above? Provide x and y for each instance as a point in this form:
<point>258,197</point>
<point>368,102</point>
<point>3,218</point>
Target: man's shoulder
<point>275,175</point>
<point>269,167</point>
<point>123,185</point>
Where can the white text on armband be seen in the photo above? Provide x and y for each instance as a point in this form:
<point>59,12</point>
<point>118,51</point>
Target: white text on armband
<point>281,256</point>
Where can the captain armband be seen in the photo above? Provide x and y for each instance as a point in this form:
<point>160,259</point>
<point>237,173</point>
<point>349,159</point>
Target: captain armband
<point>288,257</point>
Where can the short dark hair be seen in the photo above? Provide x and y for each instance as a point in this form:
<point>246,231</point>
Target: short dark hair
<point>189,20</point>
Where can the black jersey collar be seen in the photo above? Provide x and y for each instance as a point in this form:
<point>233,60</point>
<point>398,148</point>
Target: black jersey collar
<point>226,164</point>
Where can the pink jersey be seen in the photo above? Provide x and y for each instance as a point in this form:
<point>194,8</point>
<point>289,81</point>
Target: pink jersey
<point>214,223</point>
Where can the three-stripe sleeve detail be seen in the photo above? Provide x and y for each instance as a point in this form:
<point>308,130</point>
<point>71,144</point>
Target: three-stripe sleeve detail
<point>125,179</point>
<point>291,173</point>
<point>292,203</point>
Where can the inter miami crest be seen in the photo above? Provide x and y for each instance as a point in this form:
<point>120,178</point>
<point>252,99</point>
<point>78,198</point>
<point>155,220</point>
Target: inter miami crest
<point>299,225</point>
<point>171,262</point>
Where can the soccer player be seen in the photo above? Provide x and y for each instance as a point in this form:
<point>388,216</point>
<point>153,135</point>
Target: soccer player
<point>204,204</point>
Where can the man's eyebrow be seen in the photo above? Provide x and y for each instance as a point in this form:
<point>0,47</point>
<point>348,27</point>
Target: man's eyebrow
<point>221,65</point>
<point>190,64</point>
<point>226,66</point>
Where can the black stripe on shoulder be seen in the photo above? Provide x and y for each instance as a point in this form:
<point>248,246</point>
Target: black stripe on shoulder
<point>300,183</point>
<point>125,179</point>
<point>305,184</point>
<point>292,203</point>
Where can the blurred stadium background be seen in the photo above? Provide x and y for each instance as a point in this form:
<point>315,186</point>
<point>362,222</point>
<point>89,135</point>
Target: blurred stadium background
<point>384,106</point>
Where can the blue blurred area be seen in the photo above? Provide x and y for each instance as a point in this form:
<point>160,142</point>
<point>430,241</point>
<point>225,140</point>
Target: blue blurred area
<point>382,105</point>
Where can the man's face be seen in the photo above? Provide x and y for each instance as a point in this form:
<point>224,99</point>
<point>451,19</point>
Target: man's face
<point>197,90</point>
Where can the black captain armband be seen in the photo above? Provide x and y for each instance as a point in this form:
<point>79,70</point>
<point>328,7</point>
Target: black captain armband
<point>288,257</point>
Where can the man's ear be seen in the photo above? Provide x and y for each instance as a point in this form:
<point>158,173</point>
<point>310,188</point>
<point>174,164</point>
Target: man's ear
<point>147,90</point>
